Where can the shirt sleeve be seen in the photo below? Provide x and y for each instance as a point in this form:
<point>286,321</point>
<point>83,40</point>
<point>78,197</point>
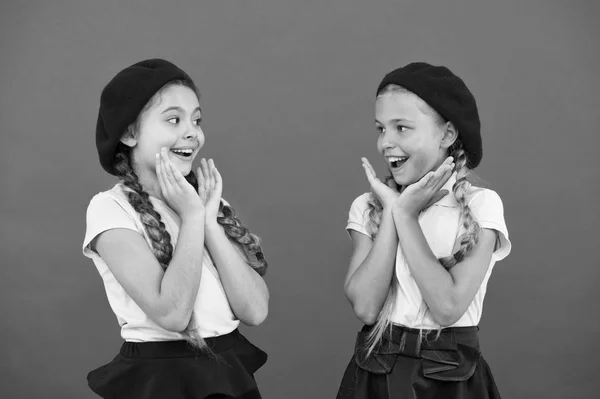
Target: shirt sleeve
<point>358,217</point>
<point>488,210</point>
<point>105,213</point>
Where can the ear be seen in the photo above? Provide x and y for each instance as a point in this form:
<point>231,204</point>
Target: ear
<point>450,134</point>
<point>129,138</point>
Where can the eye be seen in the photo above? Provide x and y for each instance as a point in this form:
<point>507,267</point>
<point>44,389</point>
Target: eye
<point>402,128</point>
<point>380,129</point>
<point>198,121</point>
<point>174,120</point>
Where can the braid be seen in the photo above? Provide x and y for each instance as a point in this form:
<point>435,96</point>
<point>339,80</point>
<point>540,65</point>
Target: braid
<point>461,190</point>
<point>238,232</point>
<point>155,228</point>
<point>140,201</point>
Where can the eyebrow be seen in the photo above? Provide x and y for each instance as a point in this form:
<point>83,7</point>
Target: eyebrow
<point>174,108</point>
<point>396,120</point>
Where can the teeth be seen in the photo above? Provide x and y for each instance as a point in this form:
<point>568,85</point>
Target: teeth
<point>396,159</point>
<point>185,152</point>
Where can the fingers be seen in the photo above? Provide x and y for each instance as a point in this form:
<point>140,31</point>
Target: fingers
<point>208,177</point>
<point>436,179</point>
<point>166,166</point>
<point>218,179</point>
<point>369,171</point>
<point>164,173</point>
<point>436,197</point>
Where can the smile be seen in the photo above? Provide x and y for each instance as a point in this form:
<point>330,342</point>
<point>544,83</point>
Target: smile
<point>396,162</point>
<point>183,152</point>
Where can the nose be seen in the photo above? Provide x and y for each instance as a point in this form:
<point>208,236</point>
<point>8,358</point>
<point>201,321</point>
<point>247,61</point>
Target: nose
<point>192,132</point>
<point>387,140</point>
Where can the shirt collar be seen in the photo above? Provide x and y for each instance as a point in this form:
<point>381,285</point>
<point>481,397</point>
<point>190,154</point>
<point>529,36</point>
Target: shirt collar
<point>448,200</point>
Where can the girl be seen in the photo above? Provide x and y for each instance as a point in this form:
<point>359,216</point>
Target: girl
<point>179,269</point>
<point>422,257</point>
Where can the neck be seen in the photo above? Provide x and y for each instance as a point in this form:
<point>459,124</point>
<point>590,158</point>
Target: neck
<point>149,182</point>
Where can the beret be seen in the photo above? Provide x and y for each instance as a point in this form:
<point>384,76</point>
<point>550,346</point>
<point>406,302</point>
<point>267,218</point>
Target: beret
<point>448,95</point>
<point>123,99</point>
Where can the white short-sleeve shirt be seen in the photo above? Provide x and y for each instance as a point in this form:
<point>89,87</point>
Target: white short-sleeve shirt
<point>441,226</point>
<point>111,209</point>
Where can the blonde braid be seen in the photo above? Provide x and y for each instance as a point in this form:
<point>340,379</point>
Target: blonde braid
<point>239,233</point>
<point>159,236</point>
<point>461,190</point>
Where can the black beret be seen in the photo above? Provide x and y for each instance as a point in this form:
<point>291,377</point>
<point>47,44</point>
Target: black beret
<point>124,97</point>
<point>448,95</point>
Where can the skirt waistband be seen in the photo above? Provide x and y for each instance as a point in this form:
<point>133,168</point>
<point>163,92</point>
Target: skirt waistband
<point>181,348</point>
<point>405,341</point>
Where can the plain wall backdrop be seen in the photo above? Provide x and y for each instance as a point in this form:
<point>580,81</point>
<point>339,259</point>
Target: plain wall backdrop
<point>288,100</point>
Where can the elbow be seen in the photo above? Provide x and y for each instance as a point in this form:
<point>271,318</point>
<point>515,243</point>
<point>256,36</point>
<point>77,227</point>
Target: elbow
<point>447,315</point>
<point>366,316</point>
<point>256,317</point>
<point>174,321</point>
<point>363,310</point>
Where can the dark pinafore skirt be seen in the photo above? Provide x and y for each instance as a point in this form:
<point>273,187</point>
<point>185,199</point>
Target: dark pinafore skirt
<point>450,367</point>
<point>174,370</point>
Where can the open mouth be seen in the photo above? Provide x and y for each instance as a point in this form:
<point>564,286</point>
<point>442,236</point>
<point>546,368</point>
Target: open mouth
<point>183,152</point>
<point>396,162</point>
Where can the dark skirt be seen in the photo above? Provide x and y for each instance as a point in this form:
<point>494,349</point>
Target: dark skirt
<point>450,367</point>
<point>174,370</point>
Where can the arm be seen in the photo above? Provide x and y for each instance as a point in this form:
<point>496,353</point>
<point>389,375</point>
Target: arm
<point>448,294</point>
<point>166,297</point>
<point>371,269</point>
<point>246,290</point>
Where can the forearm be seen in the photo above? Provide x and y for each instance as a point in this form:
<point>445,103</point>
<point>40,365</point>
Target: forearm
<point>368,287</point>
<point>246,290</point>
<point>180,282</point>
<point>435,283</point>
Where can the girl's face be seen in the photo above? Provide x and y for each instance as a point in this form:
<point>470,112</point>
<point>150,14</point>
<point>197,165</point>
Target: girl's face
<point>172,121</point>
<point>411,139</point>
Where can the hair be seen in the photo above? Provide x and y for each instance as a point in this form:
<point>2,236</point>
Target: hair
<point>460,190</point>
<point>155,228</point>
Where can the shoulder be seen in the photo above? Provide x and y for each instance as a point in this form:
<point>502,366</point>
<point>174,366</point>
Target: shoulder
<point>484,200</point>
<point>110,201</point>
<point>361,202</point>
<point>358,216</point>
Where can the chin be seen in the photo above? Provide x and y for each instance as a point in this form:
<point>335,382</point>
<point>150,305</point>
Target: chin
<point>403,179</point>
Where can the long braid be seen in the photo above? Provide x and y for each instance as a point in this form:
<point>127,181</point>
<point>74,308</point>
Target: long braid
<point>461,190</point>
<point>155,228</point>
<point>238,232</point>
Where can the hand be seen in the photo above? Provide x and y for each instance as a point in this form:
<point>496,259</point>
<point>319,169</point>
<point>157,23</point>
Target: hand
<point>386,194</point>
<point>424,193</point>
<point>210,181</point>
<point>177,192</point>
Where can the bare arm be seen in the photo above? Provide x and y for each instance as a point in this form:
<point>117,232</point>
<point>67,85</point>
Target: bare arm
<point>166,297</point>
<point>246,290</point>
<point>371,269</point>
<point>448,294</point>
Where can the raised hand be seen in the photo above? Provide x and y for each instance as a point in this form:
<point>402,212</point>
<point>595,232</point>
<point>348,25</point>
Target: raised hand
<point>209,180</point>
<point>386,194</point>
<point>177,192</point>
<point>420,195</point>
